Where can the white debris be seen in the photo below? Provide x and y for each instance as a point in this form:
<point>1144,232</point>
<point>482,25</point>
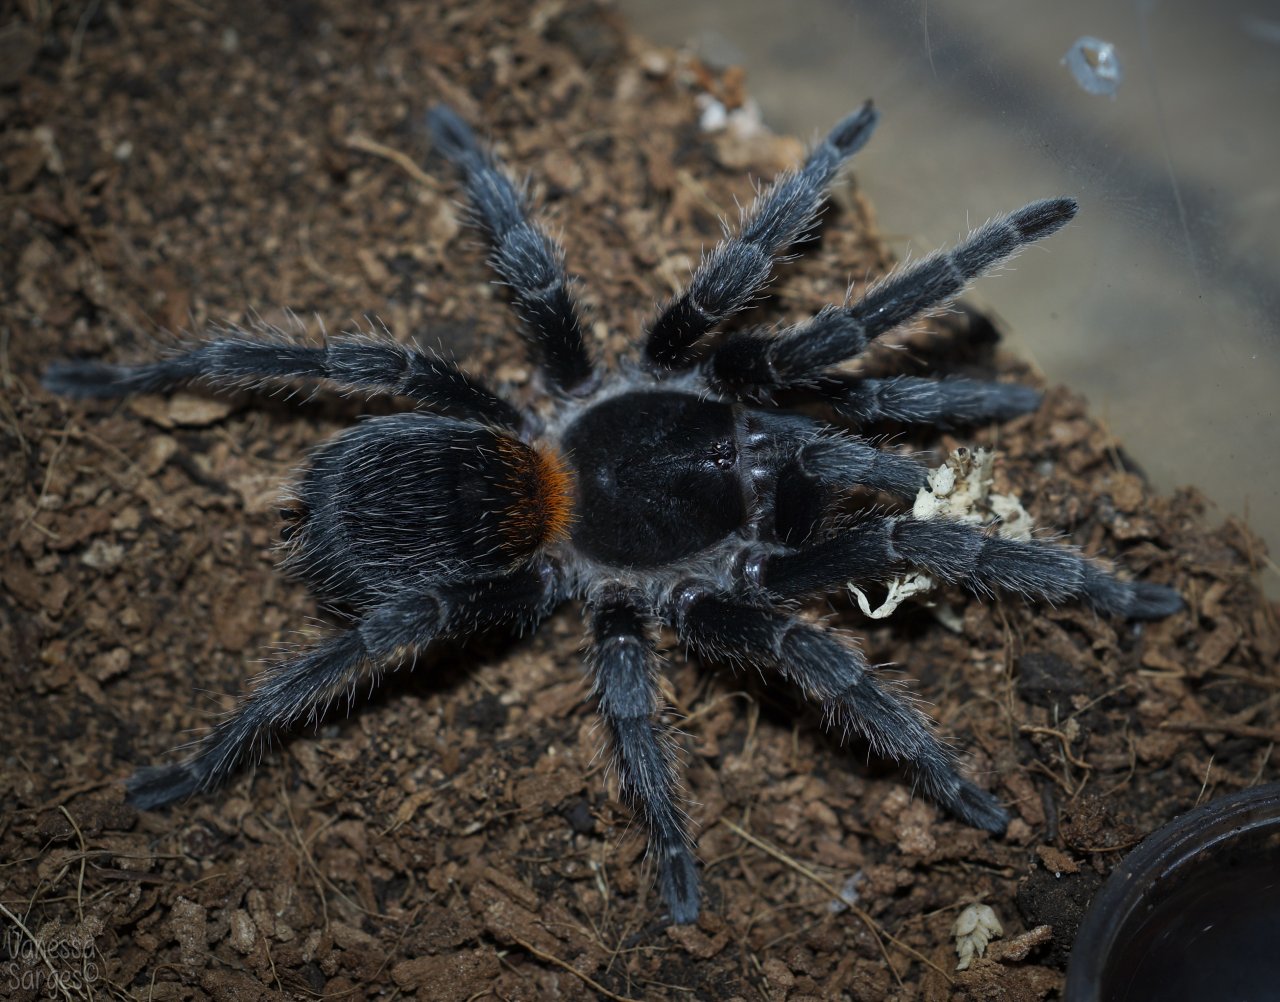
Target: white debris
<point>960,490</point>
<point>103,556</point>
<point>976,926</point>
<point>743,122</point>
<point>714,116</point>
<point>848,894</point>
<point>901,588</point>
<point>1095,66</point>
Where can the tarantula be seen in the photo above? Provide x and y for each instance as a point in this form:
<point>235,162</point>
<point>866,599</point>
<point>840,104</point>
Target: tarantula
<point>675,490</point>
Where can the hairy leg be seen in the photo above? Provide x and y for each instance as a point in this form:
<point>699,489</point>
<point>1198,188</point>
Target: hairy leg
<point>837,675</point>
<point>524,257</point>
<point>839,461</point>
<point>305,685</point>
<point>739,266</point>
<point>753,364</point>
<point>624,669</point>
<point>242,358</point>
<point>959,554</point>
<point>827,456</point>
<point>938,402</point>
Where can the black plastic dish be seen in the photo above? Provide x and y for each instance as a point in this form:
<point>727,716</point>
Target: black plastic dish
<point>1192,914</point>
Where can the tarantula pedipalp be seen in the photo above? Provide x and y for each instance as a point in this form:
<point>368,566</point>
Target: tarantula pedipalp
<point>675,490</point>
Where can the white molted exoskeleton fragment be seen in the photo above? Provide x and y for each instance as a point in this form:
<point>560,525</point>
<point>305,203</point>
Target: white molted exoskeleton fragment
<point>976,926</point>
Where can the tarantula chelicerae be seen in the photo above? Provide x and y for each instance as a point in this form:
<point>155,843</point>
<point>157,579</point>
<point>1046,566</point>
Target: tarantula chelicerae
<point>675,490</point>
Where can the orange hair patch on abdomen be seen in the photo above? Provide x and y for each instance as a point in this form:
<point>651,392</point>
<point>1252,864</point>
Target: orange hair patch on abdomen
<point>540,486</point>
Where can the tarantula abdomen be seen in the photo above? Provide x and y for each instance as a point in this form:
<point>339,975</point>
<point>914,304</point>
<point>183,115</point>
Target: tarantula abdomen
<point>421,496</point>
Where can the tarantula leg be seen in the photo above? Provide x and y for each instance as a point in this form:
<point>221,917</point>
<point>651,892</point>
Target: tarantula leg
<point>351,361</point>
<point>838,676</point>
<point>624,668</point>
<point>938,402</point>
<point>839,462</point>
<point>755,363</point>
<point>524,257</point>
<point>965,555</point>
<point>739,266</point>
<point>304,686</point>
<point>810,461</point>
<point>828,457</point>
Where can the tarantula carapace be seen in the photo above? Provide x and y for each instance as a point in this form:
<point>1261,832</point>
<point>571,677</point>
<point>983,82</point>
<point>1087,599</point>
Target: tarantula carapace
<point>675,490</point>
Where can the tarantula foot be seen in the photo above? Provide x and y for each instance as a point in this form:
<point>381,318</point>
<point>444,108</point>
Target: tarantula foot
<point>678,883</point>
<point>978,809</point>
<point>1129,599</point>
<point>158,785</point>
<point>852,133</point>
<point>1041,218</point>
<point>1002,401</point>
<point>83,380</point>
<point>1153,601</point>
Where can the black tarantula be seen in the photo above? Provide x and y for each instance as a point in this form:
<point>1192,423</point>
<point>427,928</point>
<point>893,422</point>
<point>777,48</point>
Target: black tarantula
<point>674,491</point>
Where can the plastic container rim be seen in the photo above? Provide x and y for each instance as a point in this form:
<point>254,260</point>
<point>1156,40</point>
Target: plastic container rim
<point>1159,856</point>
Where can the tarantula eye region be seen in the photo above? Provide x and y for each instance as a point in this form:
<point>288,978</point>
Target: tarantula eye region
<point>724,454</point>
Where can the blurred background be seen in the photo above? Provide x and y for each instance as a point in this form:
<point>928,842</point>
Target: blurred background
<point>1160,302</point>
